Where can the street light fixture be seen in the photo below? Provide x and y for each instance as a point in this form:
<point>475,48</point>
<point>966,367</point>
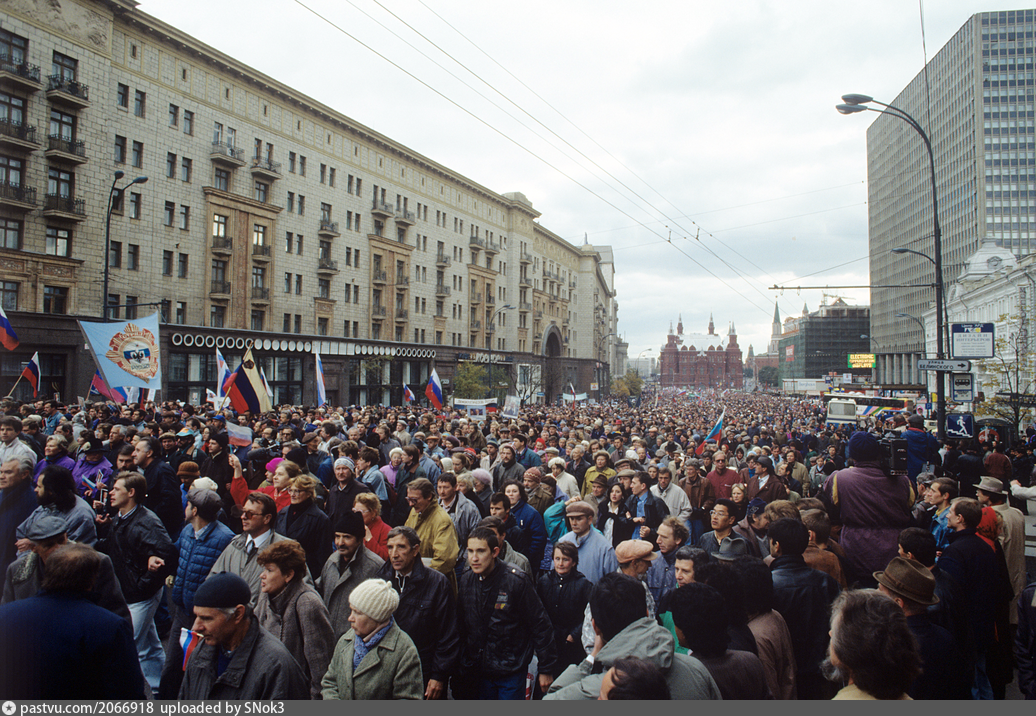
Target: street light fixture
<point>108,236</point>
<point>918,321</point>
<point>492,329</point>
<point>854,103</point>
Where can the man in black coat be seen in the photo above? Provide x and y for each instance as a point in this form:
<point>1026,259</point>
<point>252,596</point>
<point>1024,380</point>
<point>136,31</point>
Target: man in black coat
<point>645,510</point>
<point>427,609</point>
<point>163,489</point>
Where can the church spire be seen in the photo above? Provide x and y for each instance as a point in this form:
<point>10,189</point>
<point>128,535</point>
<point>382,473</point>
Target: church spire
<point>712,327</point>
<point>733,331</point>
<point>679,325</point>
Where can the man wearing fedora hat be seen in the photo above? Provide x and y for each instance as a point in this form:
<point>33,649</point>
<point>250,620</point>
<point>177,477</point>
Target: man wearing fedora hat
<point>1012,536</point>
<point>911,585</point>
<point>92,468</point>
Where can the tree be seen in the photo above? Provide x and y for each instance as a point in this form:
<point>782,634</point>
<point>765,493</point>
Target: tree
<point>629,385</point>
<point>1009,372</point>
<point>768,376</point>
<point>748,372</point>
<point>469,381</point>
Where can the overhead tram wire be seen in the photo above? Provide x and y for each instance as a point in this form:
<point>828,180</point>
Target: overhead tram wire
<point>520,146</point>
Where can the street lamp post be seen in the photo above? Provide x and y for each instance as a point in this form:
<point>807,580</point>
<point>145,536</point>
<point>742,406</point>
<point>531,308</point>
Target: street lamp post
<point>854,103</point>
<point>492,332</point>
<point>108,236</point>
<point>918,321</point>
<point>600,370</point>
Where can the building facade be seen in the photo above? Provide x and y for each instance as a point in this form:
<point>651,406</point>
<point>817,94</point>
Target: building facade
<point>701,360</point>
<point>267,220</point>
<point>818,344</point>
<point>976,103</point>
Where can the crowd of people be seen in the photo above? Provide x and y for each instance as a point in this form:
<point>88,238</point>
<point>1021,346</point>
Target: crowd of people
<point>566,553</point>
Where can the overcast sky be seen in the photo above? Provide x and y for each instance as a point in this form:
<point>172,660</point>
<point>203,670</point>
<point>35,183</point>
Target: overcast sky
<point>719,116</point>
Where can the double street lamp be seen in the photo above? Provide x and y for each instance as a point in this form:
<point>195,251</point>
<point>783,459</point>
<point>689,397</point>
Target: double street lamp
<point>492,330</point>
<point>854,103</point>
<point>108,237</point>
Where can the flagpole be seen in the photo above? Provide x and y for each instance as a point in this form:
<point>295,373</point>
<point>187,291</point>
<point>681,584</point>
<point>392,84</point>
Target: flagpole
<point>11,394</point>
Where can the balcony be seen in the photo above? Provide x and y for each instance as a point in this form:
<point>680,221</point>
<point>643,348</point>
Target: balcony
<point>383,210</point>
<point>328,228</point>
<point>260,294</point>
<point>64,207</point>
<point>327,266</point>
<point>69,92</point>
<point>221,288</point>
<point>476,243</point>
<point>525,258</point>
<point>442,291</point>
<point>476,298</point>
<point>266,169</point>
<point>571,283</point>
<point>490,299</point>
<point>261,252</point>
<point>19,74</point>
<point>402,314</point>
<point>404,217</point>
<point>227,155</point>
<point>402,281</point>
<point>379,277</point>
<point>442,260</point>
<point>492,247</point>
<point>18,135</point>
<point>524,281</point>
<point>476,325</point>
<point>524,307</point>
<point>378,313</point>
<point>72,151</point>
<point>17,196</point>
<point>222,244</point>
<point>538,314</point>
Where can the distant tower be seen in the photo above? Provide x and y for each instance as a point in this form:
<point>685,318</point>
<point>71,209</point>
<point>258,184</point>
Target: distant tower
<point>679,325</point>
<point>775,331</point>
<point>712,327</point>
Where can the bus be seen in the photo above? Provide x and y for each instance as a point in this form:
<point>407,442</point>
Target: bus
<point>858,408</point>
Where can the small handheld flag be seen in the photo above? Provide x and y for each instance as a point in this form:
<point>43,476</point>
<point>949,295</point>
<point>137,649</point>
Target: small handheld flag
<point>7,336</point>
<point>321,391</point>
<point>408,395</point>
<point>434,390</point>
<point>31,373</point>
<point>98,385</point>
<point>713,434</point>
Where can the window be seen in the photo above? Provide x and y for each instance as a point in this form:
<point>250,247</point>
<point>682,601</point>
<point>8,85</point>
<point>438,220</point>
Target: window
<point>55,299</point>
<point>289,242</point>
<point>291,162</point>
<point>122,96</point>
<point>113,305</point>
<point>298,323</point>
<point>258,235</point>
<point>185,169</point>
<point>9,295</point>
<point>134,205</point>
<point>298,244</point>
<point>167,310</point>
<point>331,177</point>
<point>291,202</point>
<point>174,115</point>
<point>133,257</point>
<point>261,191</point>
<point>298,284</point>
<point>181,312</point>
<point>324,252</point>
<point>185,217</point>
<point>287,323</point>
<point>348,256</point>
<point>325,212</point>
<point>217,316</point>
<point>219,226</point>
<point>287,283</point>
<point>131,307</point>
<point>217,133</point>
<point>322,326</point>
<point>219,270</point>
<point>222,179</point>
<point>348,293</point>
<point>170,211</point>
<point>302,168</point>
<point>302,205</point>
<point>115,254</point>
<point>181,266</point>
<point>58,241</point>
<point>64,67</point>
<point>139,102</point>
<point>324,288</point>
<point>349,184</point>
<point>258,318</point>
<point>258,277</point>
<point>323,173</point>
<point>62,125</point>
<point>137,156</point>
<point>231,137</point>
<point>120,149</point>
<point>167,263</point>
<point>170,165</point>
<point>188,122</point>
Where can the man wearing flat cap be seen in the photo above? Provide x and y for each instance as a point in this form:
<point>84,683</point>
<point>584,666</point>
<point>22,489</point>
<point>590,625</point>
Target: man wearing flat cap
<point>596,554</point>
<point>343,492</point>
<point>634,557</point>
<point>911,585</point>
<point>238,659</point>
<point>348,566</point>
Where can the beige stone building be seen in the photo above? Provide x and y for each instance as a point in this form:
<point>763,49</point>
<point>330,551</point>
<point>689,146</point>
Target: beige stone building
<point>267,219</point>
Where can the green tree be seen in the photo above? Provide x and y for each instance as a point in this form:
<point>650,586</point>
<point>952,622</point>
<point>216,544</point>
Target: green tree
<point>470,381</point>
<point>1010,371</point>
<point>629,385</point>
<point>768,376</point>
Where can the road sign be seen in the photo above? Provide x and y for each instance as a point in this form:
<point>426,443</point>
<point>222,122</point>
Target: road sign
<point>960,425</point>
<point>953,366</point>
<point>972,340</point>
<point>962,387</point>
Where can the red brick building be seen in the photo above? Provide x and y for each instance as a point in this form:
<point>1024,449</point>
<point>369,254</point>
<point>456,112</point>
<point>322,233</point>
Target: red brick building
<point>701,360</point>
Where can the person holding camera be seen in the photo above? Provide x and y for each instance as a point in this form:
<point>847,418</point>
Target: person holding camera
<point>872,505</point>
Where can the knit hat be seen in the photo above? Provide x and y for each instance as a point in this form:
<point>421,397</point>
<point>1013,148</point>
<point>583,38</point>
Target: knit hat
<point>482,476</point>
<point>375,598</point>
<point>272,465</point>
<point>204,483</point>
<point>350,523</point>
<point>188,469</point>
<point>297,456</point>
<point>863,447</point>
<point>534,473</point>
<point>222,438</point>
<point>345,462</point>
<point>223,591</point>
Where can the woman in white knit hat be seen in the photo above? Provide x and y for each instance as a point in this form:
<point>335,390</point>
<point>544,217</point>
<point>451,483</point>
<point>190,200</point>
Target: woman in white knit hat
<point>355,672</point>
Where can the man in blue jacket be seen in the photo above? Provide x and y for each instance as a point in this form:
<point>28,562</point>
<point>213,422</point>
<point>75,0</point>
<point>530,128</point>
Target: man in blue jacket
<point>922,447</point>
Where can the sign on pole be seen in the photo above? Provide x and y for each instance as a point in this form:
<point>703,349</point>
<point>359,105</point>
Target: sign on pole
<point>954,366</point>
<point>963,387</point>
<point>972,340</point>
<point>960,425</point>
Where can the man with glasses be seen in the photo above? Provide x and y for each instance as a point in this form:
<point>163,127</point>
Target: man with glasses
<point>434,528</point>
<point>257,520</point>
<point>722,542</point>
<point>721,477</point>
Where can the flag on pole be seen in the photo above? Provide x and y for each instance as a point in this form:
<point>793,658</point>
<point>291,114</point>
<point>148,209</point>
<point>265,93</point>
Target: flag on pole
<point>713,434</point>
<point>31,373</point>
<point>408,395</point>
<point>222,373</point>
<point>121,394</point>
<point>97,385</point>
<point>321,391</point>
<point>240,435</point>
<point>266,383</point>
<point>189,641</point>
<point>434,390</point>
<point>245,387</point>
<point>210,397</point>
<point>7,336</point>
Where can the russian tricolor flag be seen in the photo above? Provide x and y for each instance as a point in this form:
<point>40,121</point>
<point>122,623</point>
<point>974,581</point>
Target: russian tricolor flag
<point>408,395</point>
<point>31,373</point>
<point>189,641</point>
<point>434,390</point>
<point>98,385</point>
<point>321,391</point>
<point>7,336</point>
<point>713,434</point>
<point>245,388</point>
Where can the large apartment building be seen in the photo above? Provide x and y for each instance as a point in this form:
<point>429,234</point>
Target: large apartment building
<point>267,220</point>
<point>977,104</point>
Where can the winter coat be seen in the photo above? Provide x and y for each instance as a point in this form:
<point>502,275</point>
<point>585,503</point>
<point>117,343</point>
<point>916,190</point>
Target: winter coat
<point>534,533</point>
<point>427,612</point>
<point>391,670</point>
<point>803,597</point>
<point>687,677</point>
<point>773,642</point>
<point>79,520</point>
<point>311,528</point>
<point>401,510</point>
<point>261,669</point>
<point>922,447</point>
<point>504,473</point>
<point>438,539</point>
<point>970,561</point>
<point>565,599</point>
<point>16,504</point>
<point>131,540</point>
<point>86,472</point>
<point>197,555</point>
<point>465,516</point>
<point>337,584</point>
<point>63,461</point>
<point>163,496</point>
<point>60,645</point>
<point>502,623</point>
<point>655,510</point>
<point>596,554</point>
<point>299,620</point>
<point>25,577</point>
<point>701,494</point>
<point>1025,642</point>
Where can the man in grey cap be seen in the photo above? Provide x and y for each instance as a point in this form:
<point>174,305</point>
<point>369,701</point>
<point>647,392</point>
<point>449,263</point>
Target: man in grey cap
<point>25,576</point>
<point>238,659</point>
<point>596,554</point>
<point>346,487</point>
